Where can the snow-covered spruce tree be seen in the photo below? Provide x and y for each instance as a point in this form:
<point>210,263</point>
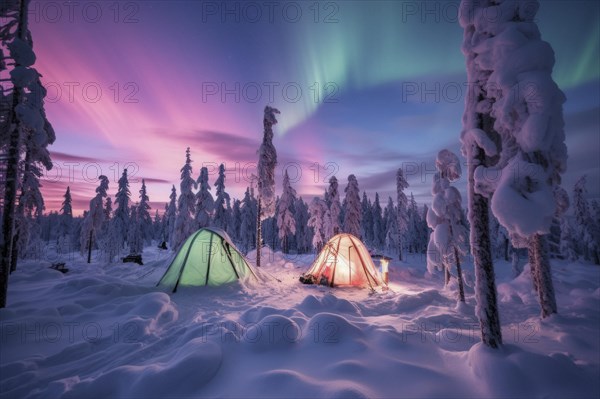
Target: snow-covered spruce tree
<point>335,208</point>
<point>143,216</point>
<point>29,210</point>
<point>317,211</point>
<point>449,235</point>
<point>66,212</point>
<point>248,223</point>
<point>343,214</point>
<point>107,242</point>
<point>303,234</point>
<point>586,232</point>
<point>424,230</point>
<point>120,220</point>
<point>568,241</point>
<point>286,221</point>
<point>76,231</point>
<point>27,133</point>
<point>163,232</point>
<point>554,239</point>
<point>391,232</point>
<point>503,240</point>
<point>93,221</point>
<point>402,219</point>
<point>386,213</point>
<point>221,216</point>
<point>235,221</point>
<point>228,215</point>
<point>478,138</point>
<point>595,209</point>
<point>378,224</point>
<point>65,223</point>
<point>366,220</point>
<point>106,223</point>
<point>157,226</point>
<point>171,216</point>
<point>49,227</point>
<point>184,222</point>
<point>526,107</point>
<point>327,224</point>
<point>499,239</point>
<point>270,232</point>
<point>205,203</point>
<point>494,228</point>
<point>562,205</point>
<point>414,234</point>
<point>353,210</point>
<point>108,211</point>
<point>267,160</point>
<point>135,241</point>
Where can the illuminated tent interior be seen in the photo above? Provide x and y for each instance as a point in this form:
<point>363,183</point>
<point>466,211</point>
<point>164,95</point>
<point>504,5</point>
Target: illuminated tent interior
<point>207,257</point>
<point>344,261</point>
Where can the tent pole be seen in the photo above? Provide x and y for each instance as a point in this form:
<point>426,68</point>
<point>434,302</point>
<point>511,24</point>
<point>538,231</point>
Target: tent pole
<point>337,254</point>
<point>226,248</point>
<point>184,261</point>
<point>209,258</point>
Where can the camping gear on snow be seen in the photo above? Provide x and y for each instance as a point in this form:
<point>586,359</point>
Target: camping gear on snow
<point>343,261</point>
<point>60,266</point>
<point>133,258</point>
<point>207,257</point>
<point>384,262</point>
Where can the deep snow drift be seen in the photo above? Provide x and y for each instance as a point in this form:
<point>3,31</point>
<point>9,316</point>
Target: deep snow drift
<point>106,331</point>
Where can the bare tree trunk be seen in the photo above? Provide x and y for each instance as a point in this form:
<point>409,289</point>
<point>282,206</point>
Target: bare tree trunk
<point>19,217</point>
<point>12,175</point>
<point>531,255</point>
<point>258,234</point>
<point>8,217</point>
<point>446,272</point>
<point>485,284</point>
<point>544,285</point>
<point>399,247</point>
<point>461,287</point>
<point>14,253</point>
<point>89,259</point>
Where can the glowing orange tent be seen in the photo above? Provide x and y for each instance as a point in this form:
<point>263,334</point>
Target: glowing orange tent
<point>344,261</point>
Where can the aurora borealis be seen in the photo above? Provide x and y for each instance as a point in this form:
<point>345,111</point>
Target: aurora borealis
<point>364,87</point>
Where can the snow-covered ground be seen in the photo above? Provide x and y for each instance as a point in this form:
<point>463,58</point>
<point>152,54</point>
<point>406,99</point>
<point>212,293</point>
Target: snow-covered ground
<point>105,331</point>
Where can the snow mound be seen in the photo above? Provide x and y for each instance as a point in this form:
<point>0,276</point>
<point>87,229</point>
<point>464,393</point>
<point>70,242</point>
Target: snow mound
<point>331,328</point>
<point>511,372</point>
<point>102,331</point>
<point>312,305</point>
<point>274,332</point>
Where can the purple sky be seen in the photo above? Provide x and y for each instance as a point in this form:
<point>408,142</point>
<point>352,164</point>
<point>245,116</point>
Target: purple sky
<point>363,88</point>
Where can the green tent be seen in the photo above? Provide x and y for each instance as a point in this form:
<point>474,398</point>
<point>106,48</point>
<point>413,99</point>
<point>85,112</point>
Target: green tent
<point>208,257</point>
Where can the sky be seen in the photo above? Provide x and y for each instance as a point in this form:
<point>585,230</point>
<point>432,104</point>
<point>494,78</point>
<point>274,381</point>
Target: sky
<point>364,88</point>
